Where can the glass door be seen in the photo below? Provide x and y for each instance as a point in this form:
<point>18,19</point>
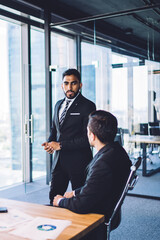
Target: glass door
<point>38,120</point>
<point>33,118</point>
<point>37,99</point>
<point>34,113</point>
<point>10,105</point>
<point>22,108</point>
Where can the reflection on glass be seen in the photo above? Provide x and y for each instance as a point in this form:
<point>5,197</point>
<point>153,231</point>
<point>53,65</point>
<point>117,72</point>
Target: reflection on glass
<point>38,102</point>
<point>10,107</point>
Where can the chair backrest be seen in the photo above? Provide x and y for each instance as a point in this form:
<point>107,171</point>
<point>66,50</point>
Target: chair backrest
<point>131,182</point>
<point>154,128</point>
<point>119,136</point>
<point>144,128</point>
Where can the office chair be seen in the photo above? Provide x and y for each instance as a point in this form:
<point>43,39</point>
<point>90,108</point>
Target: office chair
<point>119,136</point>
<point>154,130</point>
<point>144,128</point>
<point>131,182</point>
<point>143,131</point>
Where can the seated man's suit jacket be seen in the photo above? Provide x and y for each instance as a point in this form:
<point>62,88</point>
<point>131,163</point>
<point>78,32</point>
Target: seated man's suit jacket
<point>75,152</point>
<point>108,173</point>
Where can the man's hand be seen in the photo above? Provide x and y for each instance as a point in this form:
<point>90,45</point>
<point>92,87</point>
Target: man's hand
<point>55,200</point>
<point>54,145</point>
<point>50,147</point>
<point>69,194</point>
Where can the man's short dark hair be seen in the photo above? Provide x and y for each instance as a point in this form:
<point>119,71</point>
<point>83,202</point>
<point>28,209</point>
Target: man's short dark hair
<point>104,125</point>
<point>72,71</point>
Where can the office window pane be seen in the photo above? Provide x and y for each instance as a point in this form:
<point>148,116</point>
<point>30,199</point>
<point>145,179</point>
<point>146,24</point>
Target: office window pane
<point>38,102</point>
<point>140,88</point>
<point>63,56</point>
<point>89,64</point>
<point>96,74</point>
<point>153,90</point>
<point>119,101</point>
<point>10,107</point>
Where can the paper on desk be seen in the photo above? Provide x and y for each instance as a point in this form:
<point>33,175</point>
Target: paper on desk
<point>41,228</point>
<point>11,218</point>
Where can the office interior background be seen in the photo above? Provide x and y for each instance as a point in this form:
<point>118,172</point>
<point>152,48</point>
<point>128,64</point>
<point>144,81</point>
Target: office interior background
<point>118,54</point>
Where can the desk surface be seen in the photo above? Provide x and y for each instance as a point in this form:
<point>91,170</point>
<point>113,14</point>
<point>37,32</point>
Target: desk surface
<point>81,223</point>
<point>145,139</point>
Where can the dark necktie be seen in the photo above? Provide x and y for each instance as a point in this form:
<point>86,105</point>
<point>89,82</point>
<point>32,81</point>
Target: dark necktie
<point>64,113</point>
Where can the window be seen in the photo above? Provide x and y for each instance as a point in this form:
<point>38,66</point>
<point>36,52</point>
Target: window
<point>10,107</point>
<point>63,56</point>
<point>96,70</point>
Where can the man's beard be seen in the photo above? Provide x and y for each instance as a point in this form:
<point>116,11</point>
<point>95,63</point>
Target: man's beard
<point>70,96</point>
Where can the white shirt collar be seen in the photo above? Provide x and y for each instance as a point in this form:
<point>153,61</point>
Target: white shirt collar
<point>72,100</point>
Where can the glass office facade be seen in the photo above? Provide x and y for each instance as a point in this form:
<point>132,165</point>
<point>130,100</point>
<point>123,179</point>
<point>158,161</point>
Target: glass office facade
<point>12,154</point>
<point>10,104</point>
<point>96,74</point>
<point>131,92</point>
<point>115,82</point>
<point>63,56</point>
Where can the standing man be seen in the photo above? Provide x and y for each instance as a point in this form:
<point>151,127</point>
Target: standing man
<point>107,176</point>
<point>68,138</point>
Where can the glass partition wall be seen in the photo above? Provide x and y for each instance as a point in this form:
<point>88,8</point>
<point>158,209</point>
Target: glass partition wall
<point>129,89</point>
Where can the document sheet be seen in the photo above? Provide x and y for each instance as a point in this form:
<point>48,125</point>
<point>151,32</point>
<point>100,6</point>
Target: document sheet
<point>41,228</point>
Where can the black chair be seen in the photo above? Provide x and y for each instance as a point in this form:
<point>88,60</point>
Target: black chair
<point>154,128</point>
<point>119,136</point>
<point>143,128</point>
<point>131,182</point>
<point>143,131</point>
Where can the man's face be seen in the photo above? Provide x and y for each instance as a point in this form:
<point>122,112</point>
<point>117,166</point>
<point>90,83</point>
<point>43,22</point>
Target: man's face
<point>71,86</point>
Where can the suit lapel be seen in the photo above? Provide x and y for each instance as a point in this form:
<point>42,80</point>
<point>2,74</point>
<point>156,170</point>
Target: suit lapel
<point>72,107</point>
<point>57,111</point>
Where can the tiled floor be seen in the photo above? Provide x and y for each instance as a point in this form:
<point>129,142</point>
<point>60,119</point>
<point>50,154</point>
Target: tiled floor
<point>35,192</point>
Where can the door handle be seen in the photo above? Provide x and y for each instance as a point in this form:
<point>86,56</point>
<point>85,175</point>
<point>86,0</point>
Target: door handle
<point>29,128</point>
<point>32,128</point>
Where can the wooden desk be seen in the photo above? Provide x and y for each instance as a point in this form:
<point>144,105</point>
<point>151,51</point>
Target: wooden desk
<point>81,223</point>
<point>144,140</point>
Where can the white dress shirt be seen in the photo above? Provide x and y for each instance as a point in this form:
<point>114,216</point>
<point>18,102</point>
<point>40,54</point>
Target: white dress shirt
<point>64,104</point>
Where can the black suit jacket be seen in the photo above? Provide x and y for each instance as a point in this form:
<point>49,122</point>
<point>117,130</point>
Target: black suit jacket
<point>72,134</point>
<point>107,176</point>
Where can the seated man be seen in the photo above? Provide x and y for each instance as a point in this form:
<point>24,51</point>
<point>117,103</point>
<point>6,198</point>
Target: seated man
<point>107,173</point>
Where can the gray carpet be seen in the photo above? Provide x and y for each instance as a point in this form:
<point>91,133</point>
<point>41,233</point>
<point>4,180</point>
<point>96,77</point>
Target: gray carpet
<point>140,220</point>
